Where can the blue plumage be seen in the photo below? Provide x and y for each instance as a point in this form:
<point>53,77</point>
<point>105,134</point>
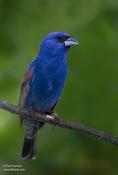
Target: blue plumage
<point>47,83</point>
<point>44,82</point>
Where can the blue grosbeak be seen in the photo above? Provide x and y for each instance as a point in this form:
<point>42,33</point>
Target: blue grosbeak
<point>43,84</point>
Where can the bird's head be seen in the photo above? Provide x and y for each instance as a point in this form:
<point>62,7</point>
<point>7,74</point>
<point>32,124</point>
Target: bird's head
<point>58,41</point>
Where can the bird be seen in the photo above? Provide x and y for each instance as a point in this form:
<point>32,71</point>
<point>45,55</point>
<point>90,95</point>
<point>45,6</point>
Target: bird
<point>43,84</point>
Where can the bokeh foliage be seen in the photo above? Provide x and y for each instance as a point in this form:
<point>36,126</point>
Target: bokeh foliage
<point>91,91</point>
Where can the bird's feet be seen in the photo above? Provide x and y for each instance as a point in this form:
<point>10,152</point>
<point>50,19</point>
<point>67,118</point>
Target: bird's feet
<point>19,110</point>
<point>53,116</point>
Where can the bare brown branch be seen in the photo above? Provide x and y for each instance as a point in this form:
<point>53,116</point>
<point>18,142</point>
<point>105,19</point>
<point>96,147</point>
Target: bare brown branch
<point>61,123</point>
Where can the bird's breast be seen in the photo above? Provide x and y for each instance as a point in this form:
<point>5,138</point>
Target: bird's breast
<point>47,86</point>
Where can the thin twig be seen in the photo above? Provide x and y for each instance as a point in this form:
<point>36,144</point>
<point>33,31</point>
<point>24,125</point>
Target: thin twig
<point>61,123</point>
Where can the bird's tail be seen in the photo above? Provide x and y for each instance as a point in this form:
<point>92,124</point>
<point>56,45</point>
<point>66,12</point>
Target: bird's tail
<point>29,150</point>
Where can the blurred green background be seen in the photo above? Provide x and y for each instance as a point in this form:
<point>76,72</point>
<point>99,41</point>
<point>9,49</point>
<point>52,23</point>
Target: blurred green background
<point>91,92</point>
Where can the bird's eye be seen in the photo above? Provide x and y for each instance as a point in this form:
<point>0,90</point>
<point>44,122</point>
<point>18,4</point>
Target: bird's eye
<point>59,38</point>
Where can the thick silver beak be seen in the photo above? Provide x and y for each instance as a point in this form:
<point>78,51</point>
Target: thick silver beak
<point>71,42</point>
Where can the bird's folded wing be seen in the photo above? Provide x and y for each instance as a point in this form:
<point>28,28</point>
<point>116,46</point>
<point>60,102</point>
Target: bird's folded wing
<point>26,86</point>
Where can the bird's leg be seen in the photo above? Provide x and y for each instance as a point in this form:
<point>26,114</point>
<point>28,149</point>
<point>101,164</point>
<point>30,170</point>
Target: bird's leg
<point>54,115</point>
